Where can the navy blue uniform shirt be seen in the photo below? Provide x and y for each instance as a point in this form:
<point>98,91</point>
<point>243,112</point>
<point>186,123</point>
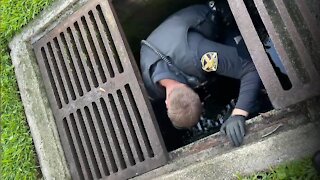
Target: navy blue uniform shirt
<point>232,57</point>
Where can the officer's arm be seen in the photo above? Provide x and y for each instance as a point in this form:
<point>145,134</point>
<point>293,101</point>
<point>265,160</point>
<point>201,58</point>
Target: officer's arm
<point>234,127</point>
<point>249,88</point>
<point>243,69</point>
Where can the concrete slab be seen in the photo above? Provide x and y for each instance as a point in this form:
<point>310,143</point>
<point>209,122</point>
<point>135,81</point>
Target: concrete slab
<point>274,137</point>
<point>256,157</point>
<point>39,115</point>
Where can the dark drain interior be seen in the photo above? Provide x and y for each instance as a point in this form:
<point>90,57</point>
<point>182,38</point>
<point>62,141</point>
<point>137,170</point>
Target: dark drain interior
<point>138,22</point>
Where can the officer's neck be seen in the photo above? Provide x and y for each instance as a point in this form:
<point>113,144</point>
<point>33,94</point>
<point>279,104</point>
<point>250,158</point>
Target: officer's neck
<point>169,85</point>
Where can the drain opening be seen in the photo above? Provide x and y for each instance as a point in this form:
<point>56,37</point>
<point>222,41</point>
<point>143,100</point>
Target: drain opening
<point>112,134</point>
<point>129,125</point>
<point>148,152</point>
<point>53,63</point>
<point>51,79</point>
<point>222,99</point>
<point>76,59</point>
<point>83,46</point>
<point>82,125</point>
<point>75,151</point>
<point>70,65</point>
<point>110,43</point>
<point>104,142</point>
<point>272,54</point>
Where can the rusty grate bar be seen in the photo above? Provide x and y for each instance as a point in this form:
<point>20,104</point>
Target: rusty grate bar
<point>105,124</point>
<point>290,27</point>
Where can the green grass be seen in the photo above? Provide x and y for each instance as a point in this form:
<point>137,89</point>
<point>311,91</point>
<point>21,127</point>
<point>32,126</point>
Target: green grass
<point>301,169</point>
<point>18,158</point>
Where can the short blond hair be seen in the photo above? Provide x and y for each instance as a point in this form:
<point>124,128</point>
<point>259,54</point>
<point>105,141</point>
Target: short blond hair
<point>185,107</point>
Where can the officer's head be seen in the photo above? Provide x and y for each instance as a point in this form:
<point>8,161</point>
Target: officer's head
<point>184,107</point>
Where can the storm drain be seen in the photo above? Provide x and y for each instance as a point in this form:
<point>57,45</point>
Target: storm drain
<point>293,28</point>
<point>105,124</point>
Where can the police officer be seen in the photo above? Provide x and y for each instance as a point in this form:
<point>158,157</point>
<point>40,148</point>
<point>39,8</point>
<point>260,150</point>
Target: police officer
<point>182,53</point>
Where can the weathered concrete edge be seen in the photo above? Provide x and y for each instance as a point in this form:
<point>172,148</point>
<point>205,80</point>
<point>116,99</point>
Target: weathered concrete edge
<point>39,115</point>
<point>286,146</point>
<point>217,144</point>
<point>289,118</point>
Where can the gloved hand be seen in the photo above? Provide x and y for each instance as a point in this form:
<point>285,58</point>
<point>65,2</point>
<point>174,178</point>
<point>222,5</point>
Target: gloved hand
<point>234,127</point>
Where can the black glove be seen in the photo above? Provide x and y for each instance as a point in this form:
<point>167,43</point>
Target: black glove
<point>234,127</point>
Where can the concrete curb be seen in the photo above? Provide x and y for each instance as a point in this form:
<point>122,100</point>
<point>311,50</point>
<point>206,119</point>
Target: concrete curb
<point>39,115</point>
<point>258,156</point>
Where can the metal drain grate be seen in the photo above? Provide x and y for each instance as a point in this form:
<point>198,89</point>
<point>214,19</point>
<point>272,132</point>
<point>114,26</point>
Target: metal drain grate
<point>105,124</point>
<point>293,30</point>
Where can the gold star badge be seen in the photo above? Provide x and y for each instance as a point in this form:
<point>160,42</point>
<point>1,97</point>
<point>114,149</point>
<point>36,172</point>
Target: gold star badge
<point>209,61</point>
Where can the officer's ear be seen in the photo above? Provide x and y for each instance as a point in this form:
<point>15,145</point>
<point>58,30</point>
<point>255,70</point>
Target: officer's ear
<point>167,103</point>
